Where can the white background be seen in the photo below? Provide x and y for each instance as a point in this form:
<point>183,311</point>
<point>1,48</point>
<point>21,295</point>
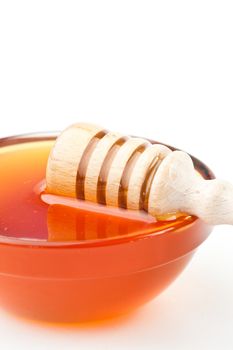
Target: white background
<point>159,69</point>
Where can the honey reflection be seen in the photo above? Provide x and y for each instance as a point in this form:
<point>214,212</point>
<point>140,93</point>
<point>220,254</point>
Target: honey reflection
<point>84,222</point>
<point>71,219</point>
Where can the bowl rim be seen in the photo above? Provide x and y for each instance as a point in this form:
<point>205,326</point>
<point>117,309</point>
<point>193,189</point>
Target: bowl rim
<point>201,167</point>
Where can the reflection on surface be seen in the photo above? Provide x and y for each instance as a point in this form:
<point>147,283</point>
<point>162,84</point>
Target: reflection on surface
<point>90,222</point>
<point>77,220</point>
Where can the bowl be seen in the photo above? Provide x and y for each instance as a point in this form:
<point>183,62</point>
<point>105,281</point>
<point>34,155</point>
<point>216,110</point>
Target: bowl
<point>95,279</point>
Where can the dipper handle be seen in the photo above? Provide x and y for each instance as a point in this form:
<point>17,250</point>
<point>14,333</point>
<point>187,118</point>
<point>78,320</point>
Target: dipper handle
<point>180,188</point>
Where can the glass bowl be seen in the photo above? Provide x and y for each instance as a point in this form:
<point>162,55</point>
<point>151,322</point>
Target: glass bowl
<point>96,279</point>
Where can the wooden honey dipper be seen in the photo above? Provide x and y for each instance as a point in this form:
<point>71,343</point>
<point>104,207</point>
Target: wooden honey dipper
<point>88,162</point>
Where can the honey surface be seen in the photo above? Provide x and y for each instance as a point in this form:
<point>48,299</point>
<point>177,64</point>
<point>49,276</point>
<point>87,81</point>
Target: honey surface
<point>23,214</point>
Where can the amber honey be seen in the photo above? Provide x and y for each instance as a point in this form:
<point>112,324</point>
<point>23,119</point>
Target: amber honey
<point>74,261</point>
<point>24,214</point>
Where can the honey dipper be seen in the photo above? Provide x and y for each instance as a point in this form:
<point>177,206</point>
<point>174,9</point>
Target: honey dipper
<point>91,163</point>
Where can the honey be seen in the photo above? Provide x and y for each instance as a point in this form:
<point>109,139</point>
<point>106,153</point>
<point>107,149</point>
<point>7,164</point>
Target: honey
<point>24,215</point>
<point>67,260</point>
